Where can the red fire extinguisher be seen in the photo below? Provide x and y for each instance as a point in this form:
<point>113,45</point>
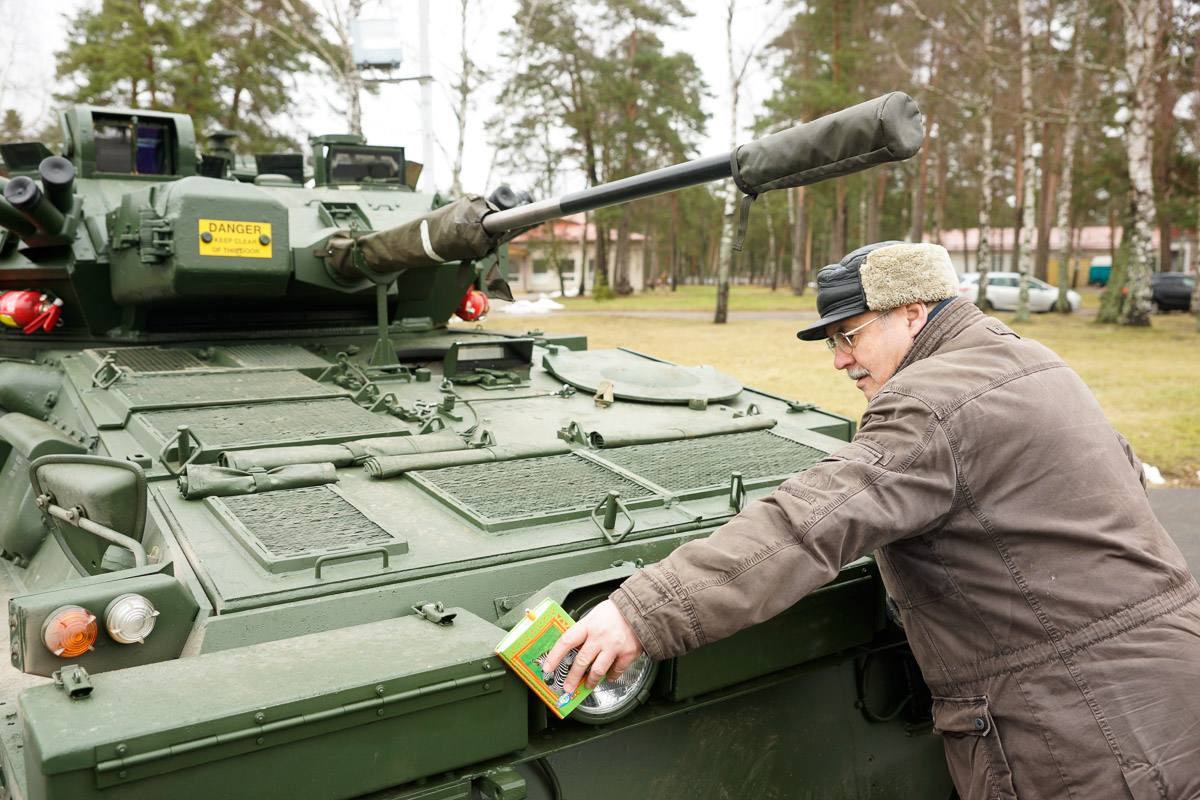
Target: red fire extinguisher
<point>29,310</point>
<point>473,306</point>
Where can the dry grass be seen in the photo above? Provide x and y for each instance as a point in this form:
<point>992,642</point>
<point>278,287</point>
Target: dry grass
<point>1147,380</point>
<point>698,298</point>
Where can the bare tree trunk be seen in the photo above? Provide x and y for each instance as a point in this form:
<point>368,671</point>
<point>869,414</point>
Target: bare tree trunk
<point>674,241</point>
<point>1025,262</point>
<point>600,285</point>
<point>1195,304</point>
<point>1141,37</point>
<point>620,276</point>
<point>800,241</point>
<point>462,90</point>
<point>726,253</point>
<point>1070,134</point>
<point>1045,209</point>
<point>772,256</point>
<point>988,168</point>
<point>939,205</point>
<point>917,231</point>
<point>875,206</point>
<point>837,234</point>
<point>583,250</point>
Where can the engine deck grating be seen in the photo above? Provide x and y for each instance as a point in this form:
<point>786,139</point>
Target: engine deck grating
<point>299,521</point>
<point>150,359</point>
<point>521,488</point>
<point>336,418</point>
<point>275,355</point>
<point>691,464</point>
<point>143,390</point>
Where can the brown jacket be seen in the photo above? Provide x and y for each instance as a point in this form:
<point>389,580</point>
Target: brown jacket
<point>1053,618</point>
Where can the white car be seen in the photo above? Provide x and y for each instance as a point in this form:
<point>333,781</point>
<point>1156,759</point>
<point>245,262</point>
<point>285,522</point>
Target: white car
<point>1002,288</point>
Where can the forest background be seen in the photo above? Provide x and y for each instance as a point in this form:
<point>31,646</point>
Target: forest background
<point>1038,113</point>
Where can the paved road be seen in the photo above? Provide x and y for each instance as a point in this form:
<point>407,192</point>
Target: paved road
<point>1179,512</point>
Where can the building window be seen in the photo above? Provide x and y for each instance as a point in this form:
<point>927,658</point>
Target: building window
<point>544,266</point>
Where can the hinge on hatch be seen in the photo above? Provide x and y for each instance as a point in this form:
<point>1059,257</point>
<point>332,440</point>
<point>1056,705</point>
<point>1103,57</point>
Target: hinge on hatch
<point>157,237</point>
<point>436,613</point>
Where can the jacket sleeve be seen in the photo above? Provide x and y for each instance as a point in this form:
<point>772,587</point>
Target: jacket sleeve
<point>897,478</point>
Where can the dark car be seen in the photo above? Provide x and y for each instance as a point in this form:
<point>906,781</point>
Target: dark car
<point>1173,291</point>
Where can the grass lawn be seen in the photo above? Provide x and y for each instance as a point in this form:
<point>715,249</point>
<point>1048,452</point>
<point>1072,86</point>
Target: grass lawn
<point>1147,380</point>
<point>697,298</point>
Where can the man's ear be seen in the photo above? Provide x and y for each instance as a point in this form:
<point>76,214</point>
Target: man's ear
<point>916,315</point>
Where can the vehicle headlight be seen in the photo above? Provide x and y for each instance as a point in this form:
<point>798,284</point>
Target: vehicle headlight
<point>612,700</point>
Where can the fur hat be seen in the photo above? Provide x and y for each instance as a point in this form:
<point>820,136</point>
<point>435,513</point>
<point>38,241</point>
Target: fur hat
<point>879,277</point>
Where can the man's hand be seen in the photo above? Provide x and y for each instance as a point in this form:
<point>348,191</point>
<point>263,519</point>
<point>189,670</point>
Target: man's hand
<point>607,646</point>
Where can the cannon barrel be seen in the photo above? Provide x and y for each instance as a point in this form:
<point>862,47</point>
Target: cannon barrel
<point>888,128</point>
<point>660,181</point>
<point>885,129</point>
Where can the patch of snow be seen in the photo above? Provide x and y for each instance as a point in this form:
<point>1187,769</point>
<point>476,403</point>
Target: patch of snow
<point>543,305</point>
<point>1153,475</point>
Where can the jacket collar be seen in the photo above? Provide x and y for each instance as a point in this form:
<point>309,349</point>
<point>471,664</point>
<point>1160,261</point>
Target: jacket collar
<point>955,317</point>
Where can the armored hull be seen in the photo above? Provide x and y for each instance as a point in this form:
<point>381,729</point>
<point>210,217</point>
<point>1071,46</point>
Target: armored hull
<point>332,505</point>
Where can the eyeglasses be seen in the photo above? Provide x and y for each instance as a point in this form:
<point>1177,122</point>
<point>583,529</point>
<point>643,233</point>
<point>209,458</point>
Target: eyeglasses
<point>842,341</point>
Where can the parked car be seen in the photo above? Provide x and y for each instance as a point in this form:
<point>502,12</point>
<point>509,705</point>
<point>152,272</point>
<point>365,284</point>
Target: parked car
<point>1173,291</point>
<point>1002,288</point>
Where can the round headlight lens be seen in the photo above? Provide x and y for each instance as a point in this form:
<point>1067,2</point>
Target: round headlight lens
<point>70,631</point>
<point>130,618</point>
<point>612,700</point>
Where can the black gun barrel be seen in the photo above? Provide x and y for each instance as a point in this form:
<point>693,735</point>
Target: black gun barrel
<point>885,129</point>
<point>660,181</point>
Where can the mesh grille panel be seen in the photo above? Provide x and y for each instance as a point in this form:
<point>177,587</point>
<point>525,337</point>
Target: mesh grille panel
<point>275,355</point>
<point>517,489</point>
<point>301,521</point>
<point>273,422</point>
<point>151,359</point>
<point>700,463</point>
<point>217,387</point>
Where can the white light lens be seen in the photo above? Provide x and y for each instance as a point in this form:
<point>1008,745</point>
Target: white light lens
<point>130,618</point>
<point>614,699</point>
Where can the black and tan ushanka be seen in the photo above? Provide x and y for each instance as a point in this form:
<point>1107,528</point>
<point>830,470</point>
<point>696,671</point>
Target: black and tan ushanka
<point>879,277</point>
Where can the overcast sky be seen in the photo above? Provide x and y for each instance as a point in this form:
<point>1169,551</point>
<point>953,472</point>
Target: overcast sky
<point>34,32</point>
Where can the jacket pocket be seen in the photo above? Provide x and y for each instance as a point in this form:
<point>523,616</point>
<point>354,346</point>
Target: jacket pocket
<point>973,752</point>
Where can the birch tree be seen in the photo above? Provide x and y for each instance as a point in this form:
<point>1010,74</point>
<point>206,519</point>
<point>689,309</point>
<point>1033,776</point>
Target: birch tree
<point>1141,23</point>
<point>1070,134</point>
<point>1195,304</point>
<point>469,78</point>
<point>1025,259</point>
<point>725,254</point>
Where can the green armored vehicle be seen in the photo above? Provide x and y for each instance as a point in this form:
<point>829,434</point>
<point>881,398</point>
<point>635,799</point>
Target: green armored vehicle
<point>265,514</point>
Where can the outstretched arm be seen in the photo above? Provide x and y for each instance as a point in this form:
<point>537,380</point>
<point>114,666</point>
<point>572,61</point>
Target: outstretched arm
<point>607,646</point>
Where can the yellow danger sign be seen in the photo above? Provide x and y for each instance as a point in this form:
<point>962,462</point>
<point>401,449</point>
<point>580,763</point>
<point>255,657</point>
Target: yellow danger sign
<point>227,237</point>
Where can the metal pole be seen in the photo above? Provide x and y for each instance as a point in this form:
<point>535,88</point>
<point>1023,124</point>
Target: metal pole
<point>426,100</point>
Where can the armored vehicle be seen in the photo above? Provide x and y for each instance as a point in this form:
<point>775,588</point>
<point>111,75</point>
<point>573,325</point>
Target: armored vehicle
<point>265,513</point>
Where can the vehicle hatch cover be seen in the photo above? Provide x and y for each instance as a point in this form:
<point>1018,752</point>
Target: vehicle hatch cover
<point>636,377</point>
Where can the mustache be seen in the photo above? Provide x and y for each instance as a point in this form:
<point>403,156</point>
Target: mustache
<point>857,372</point>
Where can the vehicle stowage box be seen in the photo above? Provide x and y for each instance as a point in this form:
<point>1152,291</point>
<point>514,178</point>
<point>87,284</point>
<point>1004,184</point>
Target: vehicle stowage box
<point>334,714</point>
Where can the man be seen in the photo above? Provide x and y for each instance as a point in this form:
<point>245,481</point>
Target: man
<point>1054,620</point>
